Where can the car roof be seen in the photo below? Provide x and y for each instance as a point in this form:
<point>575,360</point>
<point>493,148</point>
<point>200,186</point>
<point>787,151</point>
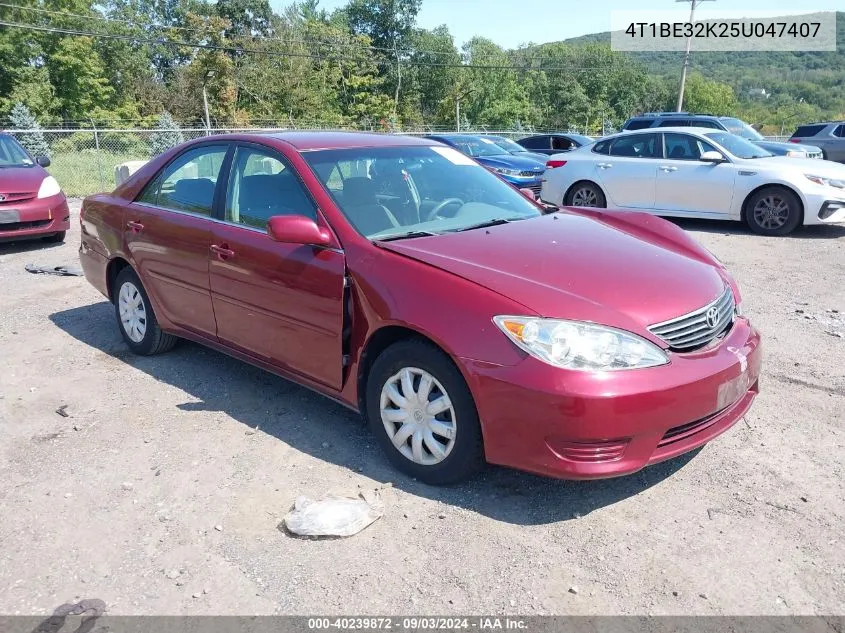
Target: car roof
<point>329,139</point>
<point>673,128</point>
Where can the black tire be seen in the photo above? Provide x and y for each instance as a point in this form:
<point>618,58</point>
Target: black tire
<point>775,199</point>
<point>466,456</point>
<point>585,188</point>
<point>56,238</point>
<point>154,340</point>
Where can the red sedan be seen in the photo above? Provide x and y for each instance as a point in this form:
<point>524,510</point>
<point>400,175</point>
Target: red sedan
<point>402,279</point>
<point>31,202</point>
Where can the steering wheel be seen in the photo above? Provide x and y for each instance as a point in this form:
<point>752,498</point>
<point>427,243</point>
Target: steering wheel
<point>438,208</point>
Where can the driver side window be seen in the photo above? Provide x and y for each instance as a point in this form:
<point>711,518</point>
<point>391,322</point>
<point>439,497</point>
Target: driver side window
<point>262,185</point>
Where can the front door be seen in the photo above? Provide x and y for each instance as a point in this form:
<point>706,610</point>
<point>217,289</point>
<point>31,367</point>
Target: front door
<point>168,233</point>
<point>281,303</point>
<point>687,185</point>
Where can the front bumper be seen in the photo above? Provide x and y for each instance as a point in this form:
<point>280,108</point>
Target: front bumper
<point>823,208</point>
<point>35,217</point>
<point>534,184</point>
<point>579,425</point>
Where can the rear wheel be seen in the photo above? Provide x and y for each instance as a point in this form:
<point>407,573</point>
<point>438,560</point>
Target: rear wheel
<point>135,316</point>
<point>585,194</point>
<point>56,238</point>
<point>773,211</point>
<point>422,414</point>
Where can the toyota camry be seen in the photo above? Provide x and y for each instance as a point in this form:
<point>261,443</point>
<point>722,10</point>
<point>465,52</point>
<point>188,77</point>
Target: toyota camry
<point>402,279</point>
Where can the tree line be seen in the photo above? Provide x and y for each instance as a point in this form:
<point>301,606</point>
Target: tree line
<point>124,63</point>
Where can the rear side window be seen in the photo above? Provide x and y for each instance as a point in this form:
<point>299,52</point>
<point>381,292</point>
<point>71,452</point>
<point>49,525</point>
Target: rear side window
<point>808,130</point>
<point>602,147</point>
<point>535,142</point>
<point>638,124</point>
<point>839,131</point>
<point>637,146</point>
<point>188,183</point>
<point>562,143</point>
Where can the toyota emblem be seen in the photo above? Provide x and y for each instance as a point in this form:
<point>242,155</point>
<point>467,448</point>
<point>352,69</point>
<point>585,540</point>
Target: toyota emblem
<point>712,317</point>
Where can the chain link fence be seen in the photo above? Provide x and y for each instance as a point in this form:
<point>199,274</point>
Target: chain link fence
<point>84,160</point>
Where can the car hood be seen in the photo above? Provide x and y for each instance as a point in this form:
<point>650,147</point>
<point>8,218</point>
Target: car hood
<point>567,265</point>
<point>813,166</point>
<point>512,162</point>
<point>782,148</point>
<point>21,179</point>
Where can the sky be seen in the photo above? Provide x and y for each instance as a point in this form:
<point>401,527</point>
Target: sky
<point>510,23</point>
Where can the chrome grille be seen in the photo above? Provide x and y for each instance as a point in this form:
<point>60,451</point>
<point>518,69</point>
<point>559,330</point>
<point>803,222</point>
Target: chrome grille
<point>531,173</point>
<point>693,331</point>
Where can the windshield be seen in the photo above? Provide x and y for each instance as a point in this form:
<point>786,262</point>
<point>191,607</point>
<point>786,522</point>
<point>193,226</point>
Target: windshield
<point>472,146</point>
<point>388,192</point>
<point>12,154</point>
<point>507,144</point>
<point>738,146</point>
<point>741,128</point>
<point>581,140</point>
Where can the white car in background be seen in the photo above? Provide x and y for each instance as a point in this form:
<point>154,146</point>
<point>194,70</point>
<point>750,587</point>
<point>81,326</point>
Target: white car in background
<point>698,173</point>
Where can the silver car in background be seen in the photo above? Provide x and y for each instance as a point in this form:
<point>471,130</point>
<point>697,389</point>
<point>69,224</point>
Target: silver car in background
<point>830,137</point>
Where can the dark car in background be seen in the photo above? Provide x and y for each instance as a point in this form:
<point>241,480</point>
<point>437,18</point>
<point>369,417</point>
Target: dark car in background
<point>512,147</point>
<point>548,144</point>
<point>830,137</point>
<point>524,173</point>
<point>725,123</point>
<point>32,204</point>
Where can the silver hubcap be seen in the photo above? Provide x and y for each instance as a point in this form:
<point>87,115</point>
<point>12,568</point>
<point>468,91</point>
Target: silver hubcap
<point>585,197</point>
<point>133,314</point>
<point>771,212</point>
<point>418,416</point>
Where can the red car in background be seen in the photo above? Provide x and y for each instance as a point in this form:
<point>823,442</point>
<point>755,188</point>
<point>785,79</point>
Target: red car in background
<point>407,282</point>
<point>31,201</point>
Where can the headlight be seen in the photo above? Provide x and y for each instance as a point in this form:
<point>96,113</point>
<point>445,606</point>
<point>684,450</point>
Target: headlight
<point>580,346</point>
<point>839,183</point>
<point>49,187</point>
<point>795,154</point>
<point>506,171</point>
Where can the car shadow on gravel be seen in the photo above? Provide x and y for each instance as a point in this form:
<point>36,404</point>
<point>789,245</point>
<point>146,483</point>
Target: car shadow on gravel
<point>813,232</point>
<point>265,403</point>
<point>26,246</point>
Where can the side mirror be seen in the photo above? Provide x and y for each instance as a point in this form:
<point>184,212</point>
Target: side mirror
<point>528,194</point>
<point>43,161</point>
<point>297,229</point>
<point>712,157</point>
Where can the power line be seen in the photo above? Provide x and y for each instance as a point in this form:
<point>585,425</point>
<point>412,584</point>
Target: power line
<point>239,50</point>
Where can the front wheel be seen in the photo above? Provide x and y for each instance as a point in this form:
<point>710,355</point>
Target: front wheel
<point>585,194</point>
<point>773,211</point>
<point>423,415</point>
<point>135,317</point>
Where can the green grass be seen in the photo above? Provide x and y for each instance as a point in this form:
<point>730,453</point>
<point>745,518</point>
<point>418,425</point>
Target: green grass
<point>85,172</point>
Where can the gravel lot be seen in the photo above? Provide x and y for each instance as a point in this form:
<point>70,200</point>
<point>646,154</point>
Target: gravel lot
<point>163,489</point>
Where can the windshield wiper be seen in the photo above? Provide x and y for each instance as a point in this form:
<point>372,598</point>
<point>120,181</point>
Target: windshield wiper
<point>482,225</point>
<point>405,236</point>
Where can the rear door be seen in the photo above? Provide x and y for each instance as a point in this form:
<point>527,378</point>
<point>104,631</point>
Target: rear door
<point>835,148</point>
<point>628,174</point>
<point>168,233</point>
<point>281,303</point>
<point>687,185</point>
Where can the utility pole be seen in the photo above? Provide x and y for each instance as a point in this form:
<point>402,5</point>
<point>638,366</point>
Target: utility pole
<point>693,5</point>
<point>208,76</point>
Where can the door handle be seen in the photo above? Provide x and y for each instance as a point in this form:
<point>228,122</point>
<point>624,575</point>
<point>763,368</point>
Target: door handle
<point>604,165</point>
<point>137,227</point>
<point>669,168</point>
<point>222,251</point>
